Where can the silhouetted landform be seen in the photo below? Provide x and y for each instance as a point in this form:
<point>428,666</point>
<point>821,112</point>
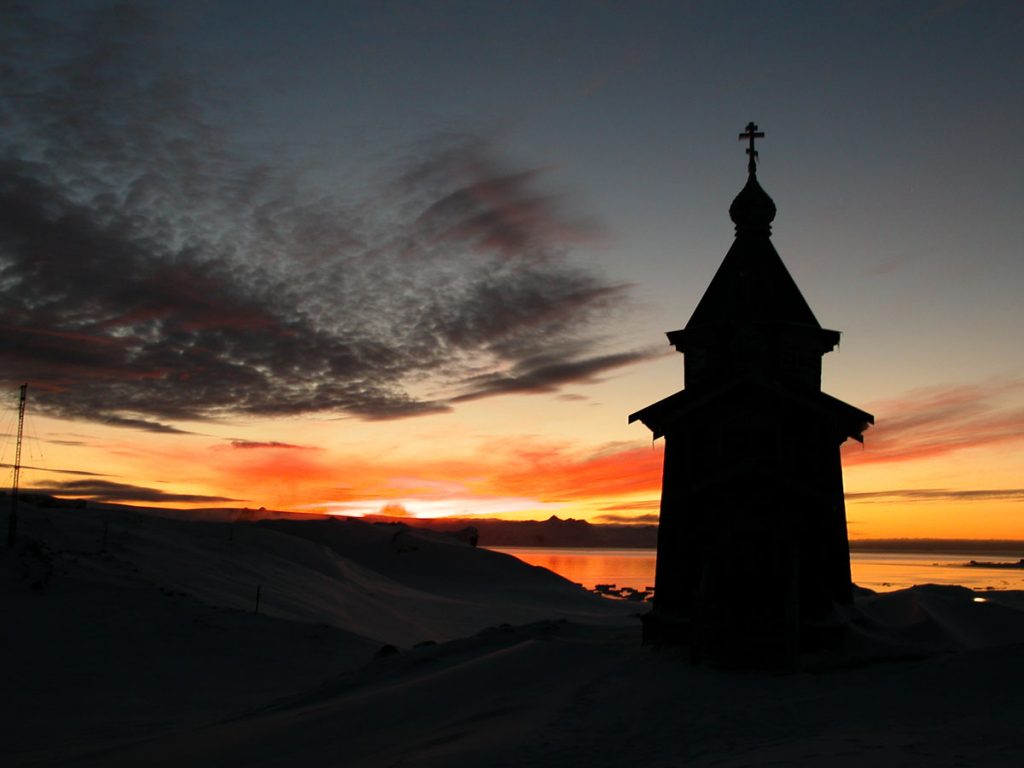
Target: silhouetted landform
<point>135,641</point>
<point>198,514</point>
<point>985,564</point>
<point>752,490</point>
<point>45,500</point>
<point>487,532</point>
<point>553,532</point>
<point>1008,547</point>
<point>624,593</point>
<point>572,533</point>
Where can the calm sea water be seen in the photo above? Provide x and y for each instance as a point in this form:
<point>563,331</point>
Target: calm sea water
<point>880,571</point>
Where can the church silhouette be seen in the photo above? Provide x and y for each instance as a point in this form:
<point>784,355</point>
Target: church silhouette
<point>752,544</point>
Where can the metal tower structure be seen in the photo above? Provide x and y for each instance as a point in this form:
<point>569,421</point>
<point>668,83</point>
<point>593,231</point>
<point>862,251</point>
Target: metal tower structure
<point>12,522</point>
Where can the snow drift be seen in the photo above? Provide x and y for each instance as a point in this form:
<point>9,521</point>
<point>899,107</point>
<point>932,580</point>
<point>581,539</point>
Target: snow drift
<point>133,639</point>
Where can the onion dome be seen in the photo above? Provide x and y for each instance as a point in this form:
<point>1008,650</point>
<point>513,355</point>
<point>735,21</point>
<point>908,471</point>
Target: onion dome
<point>752,210</point>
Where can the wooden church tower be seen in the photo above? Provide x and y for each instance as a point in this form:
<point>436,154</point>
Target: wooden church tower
<point>752,545</point>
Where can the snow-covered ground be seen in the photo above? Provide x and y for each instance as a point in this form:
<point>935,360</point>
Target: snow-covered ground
<point>148,651</point>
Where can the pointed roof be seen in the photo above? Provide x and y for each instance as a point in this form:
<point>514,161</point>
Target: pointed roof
<point>752,284</point>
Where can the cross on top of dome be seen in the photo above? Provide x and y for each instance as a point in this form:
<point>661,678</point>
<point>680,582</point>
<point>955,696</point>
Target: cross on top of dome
<point>752,133</point>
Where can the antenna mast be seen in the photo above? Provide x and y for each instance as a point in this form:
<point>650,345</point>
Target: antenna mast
<point>12,523</point>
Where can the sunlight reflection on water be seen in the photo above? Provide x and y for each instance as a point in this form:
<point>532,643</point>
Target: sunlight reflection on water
<point>880,571</point>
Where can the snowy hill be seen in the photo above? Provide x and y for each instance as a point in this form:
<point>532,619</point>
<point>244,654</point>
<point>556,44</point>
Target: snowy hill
<point>121,624</point>
<point>132,639</point>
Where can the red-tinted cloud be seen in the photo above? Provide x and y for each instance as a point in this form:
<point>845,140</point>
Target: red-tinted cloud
<point>556,475</point>
<point>394,509</point>
<point>287,478</point>
<point>927,423</point>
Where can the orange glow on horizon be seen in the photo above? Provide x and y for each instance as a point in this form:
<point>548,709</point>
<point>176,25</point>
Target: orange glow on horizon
<point>939,464</point>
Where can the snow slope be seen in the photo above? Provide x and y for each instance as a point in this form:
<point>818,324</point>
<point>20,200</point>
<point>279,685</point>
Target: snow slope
<point>560,694</point>
<point>148,652</point>
<point>121,625</point>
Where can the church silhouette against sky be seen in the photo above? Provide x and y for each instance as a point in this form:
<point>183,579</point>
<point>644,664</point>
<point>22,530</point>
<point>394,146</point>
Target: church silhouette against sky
<point>752,545</point>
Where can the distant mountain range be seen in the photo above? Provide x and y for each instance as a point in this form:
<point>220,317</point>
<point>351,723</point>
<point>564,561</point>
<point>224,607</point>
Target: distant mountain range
<point>556,532</point>
<point>553,532</point>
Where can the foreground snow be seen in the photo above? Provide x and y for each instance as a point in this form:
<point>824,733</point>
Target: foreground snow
<point>149,653</point>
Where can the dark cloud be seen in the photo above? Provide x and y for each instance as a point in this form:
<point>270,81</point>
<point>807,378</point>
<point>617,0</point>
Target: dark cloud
<point>645,518</point>
<point>101,490</point>
<point>150,272</point>
<point>60,471</point>
<point>546,373</point>
<point>940,494</point>
<point>256,445</point>
<point>143,424</point>
<point>630,506</point>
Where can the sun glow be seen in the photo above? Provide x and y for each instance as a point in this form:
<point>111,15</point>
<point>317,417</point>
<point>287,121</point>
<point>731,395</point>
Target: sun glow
<point>968,491</point>
<point>431,509</point>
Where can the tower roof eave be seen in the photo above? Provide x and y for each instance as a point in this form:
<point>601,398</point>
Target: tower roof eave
<point>657,414</point>
<point>661,417</point>
<point>827,340</point>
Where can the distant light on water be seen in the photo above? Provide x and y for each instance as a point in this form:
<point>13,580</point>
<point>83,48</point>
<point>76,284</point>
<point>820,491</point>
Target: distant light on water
<point>981,599</point>
<point>878,571</point>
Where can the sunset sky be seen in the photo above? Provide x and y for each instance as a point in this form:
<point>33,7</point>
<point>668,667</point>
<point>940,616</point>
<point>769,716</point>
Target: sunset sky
<point>421,256</point>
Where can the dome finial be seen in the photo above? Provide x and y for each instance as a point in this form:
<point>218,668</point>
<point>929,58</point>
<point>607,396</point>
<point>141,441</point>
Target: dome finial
<point>752,211</point>
<point>752,133</point>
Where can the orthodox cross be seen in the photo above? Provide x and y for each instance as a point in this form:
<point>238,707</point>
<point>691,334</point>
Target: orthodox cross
<point>752,133</point>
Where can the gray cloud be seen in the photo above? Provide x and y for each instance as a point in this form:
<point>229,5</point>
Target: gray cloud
<point>143,424</point>
<point>59,471</point>
<point>256,445</point>
<point>940,494</point>
<point>546,373</point>
<point>152,273</point>
<point>646,518</point>
<point>102,490</point>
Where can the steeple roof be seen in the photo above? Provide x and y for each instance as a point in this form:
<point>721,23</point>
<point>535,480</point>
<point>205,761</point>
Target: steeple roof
<point>752,284</point>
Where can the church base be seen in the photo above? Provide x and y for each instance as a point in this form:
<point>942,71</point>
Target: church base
<point>780,646</point>
<point>658,630</point>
